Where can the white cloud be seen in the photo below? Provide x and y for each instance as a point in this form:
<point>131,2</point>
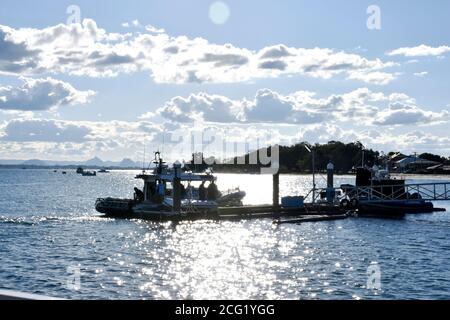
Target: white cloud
<point>361,106</point>
<point>380,78</point>
<point>69,140</point>
<point>45,130</point>
<point>80,140</point>
<point>135,23</point>
<point>420,51</point>
<point>407,142</point>
<point>153,29</point>
<point>85,49</point>
<point>212,108</point>
<point>421,74</point>
<point>41,94</point>
<point>399,114</point>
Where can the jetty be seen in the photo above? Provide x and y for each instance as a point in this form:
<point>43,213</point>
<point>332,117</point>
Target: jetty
<point>374,194</point>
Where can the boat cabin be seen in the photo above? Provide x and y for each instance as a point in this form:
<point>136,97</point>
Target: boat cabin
<point>161,182</point>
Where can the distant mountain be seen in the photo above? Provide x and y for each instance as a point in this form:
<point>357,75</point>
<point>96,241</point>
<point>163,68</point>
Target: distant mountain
<point>10,162</point>
<point>35,162</point>
<point>94,162</point>
<point>127,163</point>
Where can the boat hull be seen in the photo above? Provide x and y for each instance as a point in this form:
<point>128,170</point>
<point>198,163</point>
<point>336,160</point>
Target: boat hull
<point>394,208</point>
<point>231,199</point>
<point>114,207</point>
<point>131,209</point>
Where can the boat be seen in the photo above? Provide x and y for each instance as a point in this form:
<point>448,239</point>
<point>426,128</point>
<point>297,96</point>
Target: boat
<point>231,198</point>
<point>377,194</point>
<point>114,207</point>
<point>103,171</point>
<point>395,208</point>
<point>89,173</point>
<point>80,170</point>
<point>164,198</point>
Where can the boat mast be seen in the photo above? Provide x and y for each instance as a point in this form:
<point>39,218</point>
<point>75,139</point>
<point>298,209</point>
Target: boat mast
<point>362,161</point>
<point>143,161</point>
<point>312,151</point>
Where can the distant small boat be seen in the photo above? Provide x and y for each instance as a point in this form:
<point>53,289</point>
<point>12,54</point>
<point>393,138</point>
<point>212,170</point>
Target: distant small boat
<point>89,173</point>
<point>103,171</point>
<point>64,172</point>
<point>80,170</point>
<point>55,170</point>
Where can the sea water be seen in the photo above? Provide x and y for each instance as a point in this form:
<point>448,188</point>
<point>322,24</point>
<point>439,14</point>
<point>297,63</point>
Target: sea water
<point>53,242</point>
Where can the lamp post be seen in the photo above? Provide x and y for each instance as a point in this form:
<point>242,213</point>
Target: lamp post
<point>312,151</point>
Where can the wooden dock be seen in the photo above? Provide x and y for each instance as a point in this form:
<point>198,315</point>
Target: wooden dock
<point>238,213</point>
<point>308,209</point>
<point>275,212</point>
<point>309,212</point>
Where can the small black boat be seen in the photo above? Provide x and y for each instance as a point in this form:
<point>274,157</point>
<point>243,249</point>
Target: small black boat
<point>377,194</point>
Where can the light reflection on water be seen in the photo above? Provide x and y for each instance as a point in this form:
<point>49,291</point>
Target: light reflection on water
<point>50,223</point>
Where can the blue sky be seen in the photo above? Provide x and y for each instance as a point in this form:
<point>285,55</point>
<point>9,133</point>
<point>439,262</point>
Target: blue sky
<point>353,83</point>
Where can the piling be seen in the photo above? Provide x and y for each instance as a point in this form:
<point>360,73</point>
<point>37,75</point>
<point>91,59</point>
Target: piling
<point>276,190</point>
<point>330,182</point>
<point>177,187</point>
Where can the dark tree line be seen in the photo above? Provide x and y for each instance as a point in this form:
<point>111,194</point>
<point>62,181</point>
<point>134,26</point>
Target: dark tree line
<point>345,157</point>
<point>433,157</point>
<point>297,159</point>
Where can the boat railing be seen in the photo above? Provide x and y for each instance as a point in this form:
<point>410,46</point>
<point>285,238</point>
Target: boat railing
<point>439,191</point>
<point>424,191</point>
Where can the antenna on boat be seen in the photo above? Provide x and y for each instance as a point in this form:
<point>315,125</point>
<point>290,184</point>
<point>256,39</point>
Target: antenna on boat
<point>362,164</point>
<point>312,151</point>
<point>163,141</point>
<point>143,161</point>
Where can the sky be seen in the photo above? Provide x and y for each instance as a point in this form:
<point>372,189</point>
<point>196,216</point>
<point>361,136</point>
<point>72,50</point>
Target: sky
<point>80,79</point>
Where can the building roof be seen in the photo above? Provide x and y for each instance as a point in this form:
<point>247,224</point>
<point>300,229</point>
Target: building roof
<point>442,167</point>
<point>415,160</point>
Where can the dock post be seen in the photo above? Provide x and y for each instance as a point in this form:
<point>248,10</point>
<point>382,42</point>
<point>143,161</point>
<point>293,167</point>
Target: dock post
<point>177,187</point>
<point>330,182</point>
<point>276,190</point>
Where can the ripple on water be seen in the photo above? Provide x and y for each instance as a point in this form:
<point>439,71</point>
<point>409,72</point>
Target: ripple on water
<point>49,227</point>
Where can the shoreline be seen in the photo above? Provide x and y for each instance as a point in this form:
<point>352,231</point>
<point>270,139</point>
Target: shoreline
<point>394,174</point>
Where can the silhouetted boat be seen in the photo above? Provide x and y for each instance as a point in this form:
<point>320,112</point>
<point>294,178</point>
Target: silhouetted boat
<point>156,201</point>
<point>377,194</point>
<point>89,173</point>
